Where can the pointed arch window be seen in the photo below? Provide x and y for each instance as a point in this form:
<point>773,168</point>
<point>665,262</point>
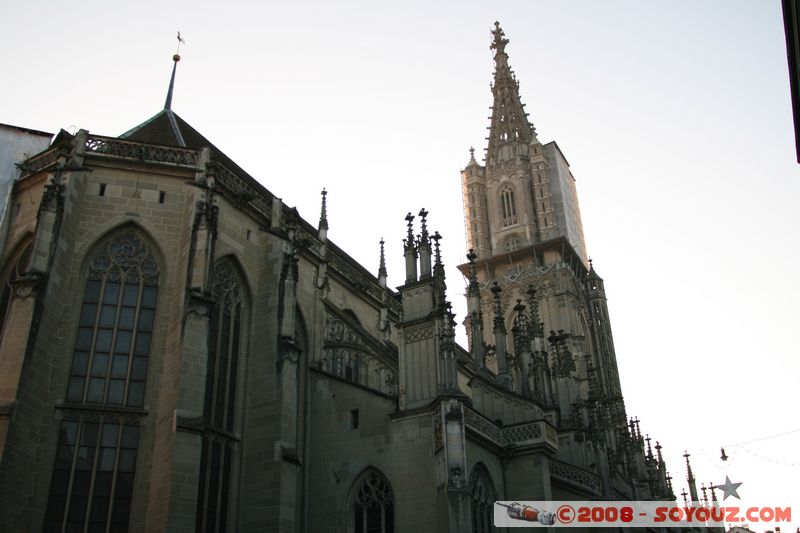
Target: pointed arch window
<point>216,459</point>
<point>92,484</point>
<point>373,504</point>
<point>17,272</point>
<point>508,206</point>
<point>482,498</point>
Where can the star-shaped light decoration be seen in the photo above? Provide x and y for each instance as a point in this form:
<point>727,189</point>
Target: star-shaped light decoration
<point>729,488</point>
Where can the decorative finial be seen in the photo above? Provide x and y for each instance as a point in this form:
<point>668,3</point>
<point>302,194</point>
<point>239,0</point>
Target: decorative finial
<point>473,289</point>
<point>437,253</point>
<point>690,476</point>
<point>499,41</point>
<point>382,265</point>
<point>499,323</point>
<point>424,232</point>
<point>703,489</point>
<point>683,493</point>
<point>536,325</point>
<point>472,156</point>
<point>520,328</point>
<point>323,216</point>
<point>658,453</point>
<point>723,456</point>
<point>649,448</point>
<point>409,241</point>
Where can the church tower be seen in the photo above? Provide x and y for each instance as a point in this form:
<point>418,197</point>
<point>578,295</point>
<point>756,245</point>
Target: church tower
<point>525,193</point>
<point>550,337</point>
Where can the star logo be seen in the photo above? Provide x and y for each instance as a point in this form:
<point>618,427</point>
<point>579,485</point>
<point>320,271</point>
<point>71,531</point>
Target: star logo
<point>729,489</point>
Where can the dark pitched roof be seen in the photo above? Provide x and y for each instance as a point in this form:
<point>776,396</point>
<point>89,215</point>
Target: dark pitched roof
<point>168,129</point>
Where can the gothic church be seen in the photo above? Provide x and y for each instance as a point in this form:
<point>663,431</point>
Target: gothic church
<point>181,352</point>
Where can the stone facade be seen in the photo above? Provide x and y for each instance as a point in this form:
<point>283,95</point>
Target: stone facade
<point>182,352</point>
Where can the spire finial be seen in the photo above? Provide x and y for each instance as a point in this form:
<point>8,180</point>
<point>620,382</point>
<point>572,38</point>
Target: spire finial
<point>520,328</point>
<point>175,59</point>
<point>690,475</point>
<point>537,327</point>
<point>499,41</point>
<point>409,241</point>
<point>382,266</point>
<point>323,216</point>
<point>499,323</point>
<point>437,252</point>
<point>424,231</point>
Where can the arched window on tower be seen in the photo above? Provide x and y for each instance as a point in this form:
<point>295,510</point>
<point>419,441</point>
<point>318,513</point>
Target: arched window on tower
<point>219,411</point>
<point>372,504</point>
<point>92,483</point>
<point>507,206</point>
<point>482,497</point>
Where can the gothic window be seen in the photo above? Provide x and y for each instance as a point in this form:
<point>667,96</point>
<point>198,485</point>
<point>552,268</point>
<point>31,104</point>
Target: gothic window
<point>508,206</point>
<point>92,483</point>
<point>6,293</point>
<point>373,504</point>
<point>482,497</point>
<point>216,457</point>
<point>352,366</point>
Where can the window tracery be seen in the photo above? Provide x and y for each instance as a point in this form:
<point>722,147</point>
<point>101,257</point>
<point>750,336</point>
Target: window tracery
<point>482,496</point>
<point>508,206</point>
<point>92,483</point>
<point>216,460</point>
<point>373,505</point>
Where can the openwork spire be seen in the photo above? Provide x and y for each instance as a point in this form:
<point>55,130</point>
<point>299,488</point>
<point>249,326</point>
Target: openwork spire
<point>509,128</point>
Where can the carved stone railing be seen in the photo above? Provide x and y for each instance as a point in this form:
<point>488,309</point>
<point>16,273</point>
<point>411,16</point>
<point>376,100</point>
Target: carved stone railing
<point>518,435</point>
<point>362,279</point>
<point>483,426</point>
<point>259,200</point>
<point>575,475</point>
<point>135,151</point>
<point>39,162</point>
<point>522,434</point>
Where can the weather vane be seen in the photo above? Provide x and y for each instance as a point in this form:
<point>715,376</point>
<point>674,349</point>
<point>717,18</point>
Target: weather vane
<point>180,42</point>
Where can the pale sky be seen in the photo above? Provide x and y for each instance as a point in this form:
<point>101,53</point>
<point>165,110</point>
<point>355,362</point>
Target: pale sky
<point>675,117</point>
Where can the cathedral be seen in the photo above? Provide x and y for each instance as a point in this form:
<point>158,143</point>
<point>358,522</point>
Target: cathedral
<point>181,352</point>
